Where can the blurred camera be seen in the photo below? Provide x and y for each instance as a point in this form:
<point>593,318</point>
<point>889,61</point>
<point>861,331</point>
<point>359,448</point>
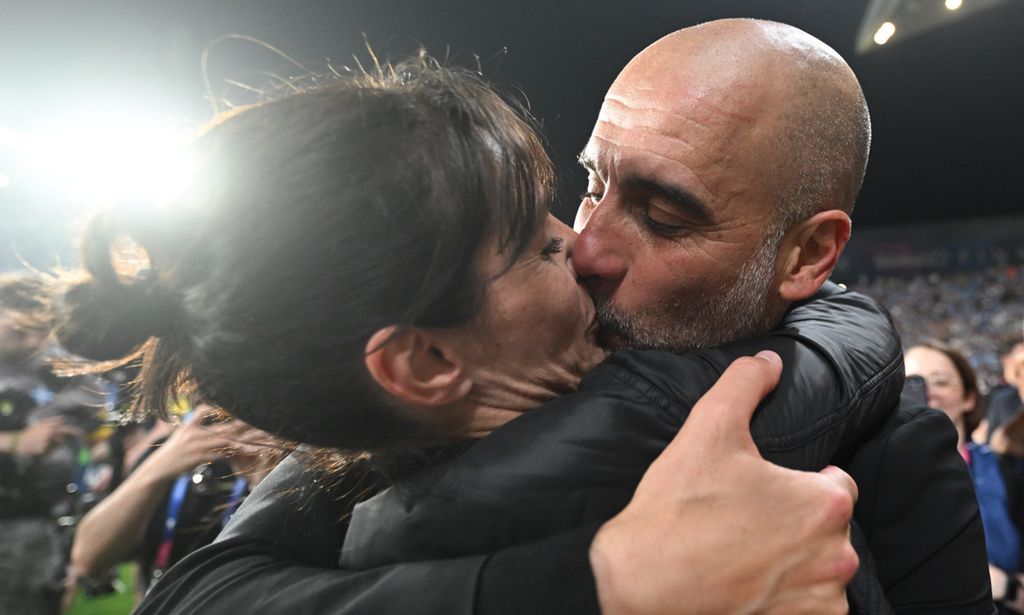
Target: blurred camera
<point>916,389</point>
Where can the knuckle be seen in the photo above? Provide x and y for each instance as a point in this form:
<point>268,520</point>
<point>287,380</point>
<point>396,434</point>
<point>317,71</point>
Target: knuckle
<point>841,478</point>
<point>838,504</point>
<point>848,563</point>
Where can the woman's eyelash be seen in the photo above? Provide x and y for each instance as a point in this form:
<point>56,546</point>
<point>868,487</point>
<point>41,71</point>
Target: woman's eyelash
<point>553,246</point>
<point>590,195</point>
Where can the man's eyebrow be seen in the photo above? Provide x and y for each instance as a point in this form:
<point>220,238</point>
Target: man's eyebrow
<point>587,162</point>
<point>681,197</point>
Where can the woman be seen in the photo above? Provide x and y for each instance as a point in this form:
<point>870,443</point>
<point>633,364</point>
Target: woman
<point>371,267</point>
<point>388,243</point>
<point>952,387</point>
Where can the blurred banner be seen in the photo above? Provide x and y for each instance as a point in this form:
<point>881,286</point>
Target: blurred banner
<point>962,245</point>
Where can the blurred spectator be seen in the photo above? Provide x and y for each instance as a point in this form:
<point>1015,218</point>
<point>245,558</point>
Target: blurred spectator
<point>1007,398</point>
<point>42,417</point>
<point>183,489</point>
<point>971,311</point>
<point>952,387</point>
<point>1013,364</point>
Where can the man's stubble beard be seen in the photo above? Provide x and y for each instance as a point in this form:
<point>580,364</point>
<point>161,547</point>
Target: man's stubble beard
<point>710,319</point>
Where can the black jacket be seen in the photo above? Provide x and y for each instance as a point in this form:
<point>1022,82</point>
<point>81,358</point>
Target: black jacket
<point>578,459</point>
<point>844,371</point>
<point>919,515</point>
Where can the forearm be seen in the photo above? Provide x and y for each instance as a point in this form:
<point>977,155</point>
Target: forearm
<point>843,377</point>
<point>9,442</point>
<point>232,576</point>
<point>551,576</point>
<point>514,580</point>
<point>109,532</point>
<point>821,409</point>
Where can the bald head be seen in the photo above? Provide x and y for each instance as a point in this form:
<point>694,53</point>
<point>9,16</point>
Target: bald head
<point>773,94</point>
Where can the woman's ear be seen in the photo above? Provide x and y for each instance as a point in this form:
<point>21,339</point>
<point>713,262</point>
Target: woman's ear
<point>971,401</point>
<point>416,366</point>
<point>810,251</point>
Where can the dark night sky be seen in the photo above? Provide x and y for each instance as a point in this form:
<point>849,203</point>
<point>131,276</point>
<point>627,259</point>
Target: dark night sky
<point>946,106</point>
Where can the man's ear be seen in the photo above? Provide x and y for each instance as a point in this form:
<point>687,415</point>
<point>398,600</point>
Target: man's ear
<point>810,251</point>
<point>416,366</point>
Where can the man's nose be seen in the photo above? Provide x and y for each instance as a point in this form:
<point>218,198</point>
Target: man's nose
<point>599,254</point>
<point>586,208</point>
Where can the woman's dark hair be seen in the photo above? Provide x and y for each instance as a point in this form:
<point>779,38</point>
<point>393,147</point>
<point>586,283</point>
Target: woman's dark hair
<point>316,220</point>
<point>975,414</point>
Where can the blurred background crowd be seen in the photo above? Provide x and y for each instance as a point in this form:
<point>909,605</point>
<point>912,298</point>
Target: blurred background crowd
<point>978,313</point>
<point>85,487</point>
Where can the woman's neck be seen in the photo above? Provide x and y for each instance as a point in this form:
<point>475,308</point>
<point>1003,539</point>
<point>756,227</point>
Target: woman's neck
<point>961,437</point>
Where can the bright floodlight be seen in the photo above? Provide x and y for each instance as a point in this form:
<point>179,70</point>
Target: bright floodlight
<point>102,159</point>
<point>954,4</point>
<point>5,180</point>
<point>884,33</point>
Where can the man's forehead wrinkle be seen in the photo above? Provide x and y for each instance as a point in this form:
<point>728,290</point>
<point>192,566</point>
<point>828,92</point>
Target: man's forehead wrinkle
<point>632,115</point>
<point>717,110</point>
<point>653,143</point>
<point>682,138</point>
<point>631,165</point>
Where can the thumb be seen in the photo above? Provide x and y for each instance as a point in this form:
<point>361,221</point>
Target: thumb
<point>719,423</point>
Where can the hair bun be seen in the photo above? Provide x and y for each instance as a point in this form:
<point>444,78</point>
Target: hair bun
<point>104,321</point>
<point>101,316</point>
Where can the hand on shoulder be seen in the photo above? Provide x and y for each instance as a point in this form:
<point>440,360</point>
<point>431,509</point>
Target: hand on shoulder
<point>714,528</point>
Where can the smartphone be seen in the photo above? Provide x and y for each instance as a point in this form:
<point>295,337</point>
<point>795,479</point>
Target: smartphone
<point>916,389</point>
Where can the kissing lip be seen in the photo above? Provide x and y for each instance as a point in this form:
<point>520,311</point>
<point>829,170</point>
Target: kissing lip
<point>600,335</point>
<point>593,331</point>
<point>608,340</point>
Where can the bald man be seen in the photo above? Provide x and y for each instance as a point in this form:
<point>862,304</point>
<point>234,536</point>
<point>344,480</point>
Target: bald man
<point>724,166</point>
<point>723,169</point>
